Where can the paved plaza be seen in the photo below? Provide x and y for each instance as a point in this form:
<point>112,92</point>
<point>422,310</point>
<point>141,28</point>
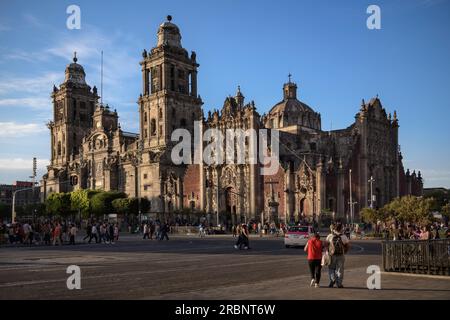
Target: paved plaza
<point>189,267</point>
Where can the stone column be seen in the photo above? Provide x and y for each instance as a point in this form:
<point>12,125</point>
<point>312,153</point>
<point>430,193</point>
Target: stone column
<point>181,194</point>
<point>145,87</point>
<point>194,83</point>
<point>289,194</point>
<point>340,194</point>
<point>320,187</point>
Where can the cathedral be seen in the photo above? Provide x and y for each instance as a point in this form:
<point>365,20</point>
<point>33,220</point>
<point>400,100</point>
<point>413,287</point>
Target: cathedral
<point>334,172</point>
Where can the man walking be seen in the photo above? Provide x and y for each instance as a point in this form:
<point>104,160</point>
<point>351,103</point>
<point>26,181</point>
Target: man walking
<point>338,245</point>
<point>72,234</point>
<point>164,230</point>
<point>93,234</point>
<point>88,232</point>
<point>146,231</point>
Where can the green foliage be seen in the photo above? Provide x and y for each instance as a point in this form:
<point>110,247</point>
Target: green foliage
<point>410,209</point>
<point>101,202</point>
<point>440,195</point>
<point>58,204</point>
<point>125,205</point>
<point>445,210</point>
<point>79,200</point>
<point>369,215</point>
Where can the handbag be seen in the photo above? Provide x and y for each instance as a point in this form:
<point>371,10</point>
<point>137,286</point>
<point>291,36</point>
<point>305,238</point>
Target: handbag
<point>326,259</point>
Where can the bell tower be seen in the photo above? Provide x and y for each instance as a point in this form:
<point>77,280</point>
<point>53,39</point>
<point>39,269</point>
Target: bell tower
<point>73,107</point>
<point>169,97</point>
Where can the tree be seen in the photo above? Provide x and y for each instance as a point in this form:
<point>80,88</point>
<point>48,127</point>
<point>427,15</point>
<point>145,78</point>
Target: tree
<point>121,205</point>
<point>58,204</point>
<point>145,205</point>
<point>410,209</point>
<point>369,215</point>
<point>101,202</point>
<point>445,210</point>
<point>440,195</point>
<point>79,200</point>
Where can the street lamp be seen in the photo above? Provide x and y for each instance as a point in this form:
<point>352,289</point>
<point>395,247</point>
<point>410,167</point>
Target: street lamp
<point>371,181</point>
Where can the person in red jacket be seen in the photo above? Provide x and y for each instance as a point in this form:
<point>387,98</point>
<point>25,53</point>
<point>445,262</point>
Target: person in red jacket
<point>314,249</point>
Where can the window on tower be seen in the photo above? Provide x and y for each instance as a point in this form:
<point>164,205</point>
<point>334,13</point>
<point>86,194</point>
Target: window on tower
<point>153,127</point>
<point>153,80</point>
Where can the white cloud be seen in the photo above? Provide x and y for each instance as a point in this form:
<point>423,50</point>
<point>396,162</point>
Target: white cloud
<point>42,84</point>
<point>23,55</point>
<point>21,163</point>
<point>33,103</point>
<point>433,174</point>
<point>33,21</point>
<point>13,129</point>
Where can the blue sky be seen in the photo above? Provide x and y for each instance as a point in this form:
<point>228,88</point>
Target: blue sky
<point>335,60</point>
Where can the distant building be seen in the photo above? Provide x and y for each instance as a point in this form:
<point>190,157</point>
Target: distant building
<point>23,198</point>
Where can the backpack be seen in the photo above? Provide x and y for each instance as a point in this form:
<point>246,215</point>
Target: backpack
<point>336,246</point>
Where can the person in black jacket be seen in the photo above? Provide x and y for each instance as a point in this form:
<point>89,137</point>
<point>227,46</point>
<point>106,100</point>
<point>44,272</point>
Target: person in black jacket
<point>164,230</point>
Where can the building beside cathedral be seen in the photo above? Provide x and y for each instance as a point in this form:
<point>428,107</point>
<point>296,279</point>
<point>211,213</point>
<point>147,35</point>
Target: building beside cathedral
<point>90,150</point>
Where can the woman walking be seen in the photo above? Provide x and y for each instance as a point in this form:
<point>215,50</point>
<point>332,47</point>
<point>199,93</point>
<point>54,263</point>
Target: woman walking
<point>314,249</point>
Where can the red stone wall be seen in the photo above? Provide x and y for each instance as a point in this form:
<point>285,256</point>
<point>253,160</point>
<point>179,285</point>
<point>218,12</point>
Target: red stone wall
<point>192,186</point>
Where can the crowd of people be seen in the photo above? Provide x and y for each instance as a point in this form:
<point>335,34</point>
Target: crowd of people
<point>410,231</point>
<point>102,232</point>
<point>57,232</point>
<point>49,232</point>
<point>157,229</point>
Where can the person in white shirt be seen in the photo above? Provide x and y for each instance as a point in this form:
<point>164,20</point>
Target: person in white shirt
<point>72,234</point>
<point>93,234</point>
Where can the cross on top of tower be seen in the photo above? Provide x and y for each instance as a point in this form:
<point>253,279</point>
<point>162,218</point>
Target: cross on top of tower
<point>169,18</point>
<point>75,59</point>
<point>289,76</point>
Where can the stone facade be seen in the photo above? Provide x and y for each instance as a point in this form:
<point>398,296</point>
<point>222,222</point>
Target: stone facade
<point>89,149</point>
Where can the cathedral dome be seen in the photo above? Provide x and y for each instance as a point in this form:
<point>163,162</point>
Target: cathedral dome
<point>292,112</point>
<point>169,34</point>
<point>291,106</point>
<point>75,73</point>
